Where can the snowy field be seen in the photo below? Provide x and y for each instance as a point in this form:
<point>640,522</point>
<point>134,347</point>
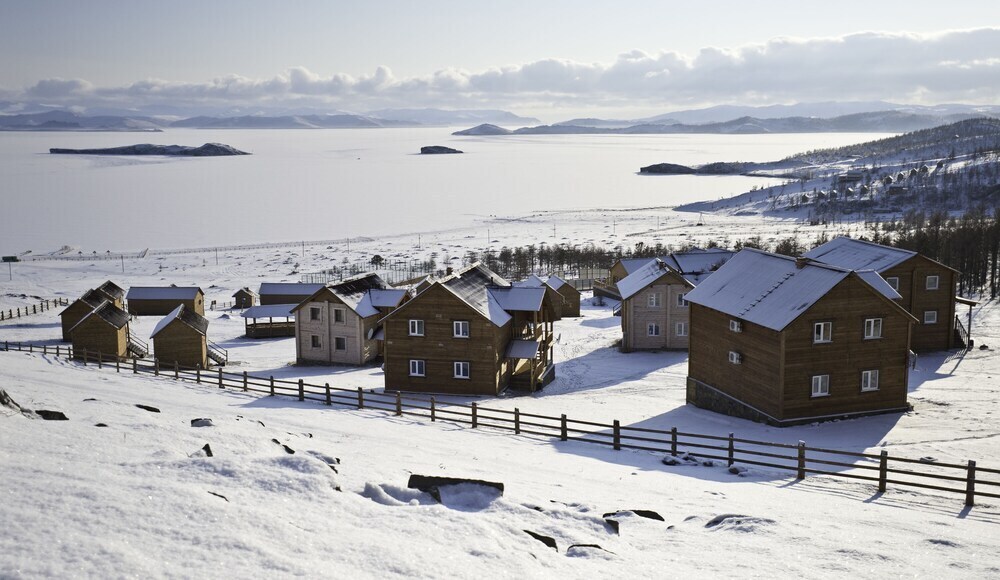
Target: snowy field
<point>138,497</point>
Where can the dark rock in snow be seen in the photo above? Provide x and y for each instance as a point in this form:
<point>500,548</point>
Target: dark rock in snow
<point>202,422</point>
<point>570,551</point>
<point>649,514</point>
<point>548,541</point>
<point>51,415</point>
<point>6,401</point>
<point>206,150</point>
<point>100,425</point>
<point>437,150</point>
<point>208,450</point>
<point>668,169</point>
<point>219,495</point>
<point>613,525</point>
<point>148,408</point>
<point>431,483</point>
<point>90,399</point>
<point>288,449</point>
<point>738,470</point>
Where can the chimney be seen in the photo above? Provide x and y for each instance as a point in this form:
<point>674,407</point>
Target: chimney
<point>801,262</point>
<point>448,271</point>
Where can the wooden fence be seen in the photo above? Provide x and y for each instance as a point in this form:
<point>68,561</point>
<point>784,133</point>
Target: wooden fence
<point>882,469</point>
<point>42,306</point>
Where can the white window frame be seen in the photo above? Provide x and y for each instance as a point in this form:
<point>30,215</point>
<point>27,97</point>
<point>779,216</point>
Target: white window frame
<point>338,315</point>
<point>315,313</point>
<point>936,282</point>
<point>463,370</point>
<point>653,300</point>
<point>681,329</point>
<point>869,381</point>
<point>824,332</point>
<point>460,328</point>
<point>736,326</point>
<point>652,329</point>
<point>873,328</point>
<point>314,341</point>
<point>735,358</point>
<point>681,301</point>
<point>820,386</point>
<point>416,327</point>
<point>930,317</point>
<point>418,367</point>
<point>340,338</point>
<point>893,282</point>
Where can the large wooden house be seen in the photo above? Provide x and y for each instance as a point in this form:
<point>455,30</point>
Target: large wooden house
<point>787,341</point>
<point>927,288</point>
<point>470,333</point>
<point>103,333</point>
<point>79,308</point>
<point>285,292</point>
<point>564,296</point>
<point>181,338</point>
<point>654,308</point>
<point>695,265</point>
<point>338,324</point>
<point>162,300</point>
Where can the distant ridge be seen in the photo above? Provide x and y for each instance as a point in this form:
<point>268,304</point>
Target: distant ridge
<point>484,129</point>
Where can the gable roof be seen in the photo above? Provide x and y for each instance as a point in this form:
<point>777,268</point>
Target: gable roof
<point>185,316</point>
<point>694,265</point>
<point>163,292</point>
<point>519,298</point>
<point>357,294</point>
<point>245,290</point>
<point>91,298</point>
<point>288,289</point>
<point>113,290</point>
<point>859,254</point>
<point>642,277</point>
<point>772,290</point>
<point>109,313</point>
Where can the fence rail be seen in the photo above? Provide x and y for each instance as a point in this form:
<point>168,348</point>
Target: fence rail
<point>882,469</point>
<point>42,306</point>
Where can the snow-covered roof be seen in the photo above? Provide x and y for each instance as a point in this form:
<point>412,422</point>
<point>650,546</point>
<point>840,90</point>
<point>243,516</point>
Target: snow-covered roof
<point>694,265</point>
<point>387,297</point>
<point>270,311</point>
<point>244,290</point>
<point>472,285</point>
<point>92,298</point>
<point>858,254</point>
<point>163,292</point>
<point>650,272</point>
<point>363,294</point>
<point>520,348</point>
<point>519,299</point>
<point>633,264</point>
<point>185,315</point>
<point>770,290</point>
<point>533,281</point>
<point>107,312</point>
<point>288,289</point>
<point>555,282</point>
<point>113,290</point>
<point>879,284</point>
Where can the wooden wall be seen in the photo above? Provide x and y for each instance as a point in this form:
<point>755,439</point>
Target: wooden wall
<point>917,299</point>
<point>571,301</point>
<point>637,314</point>
<point>353,329</point>
<point>181,344</point>
<point>73,314</point>
<point>96,335</point>
<point>164,307</point>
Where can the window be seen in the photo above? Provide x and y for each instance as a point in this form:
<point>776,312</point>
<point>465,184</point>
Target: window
<point>461,370</point>
<point>654,300</point>
<point>873,328</point>
<point>736,325</point>
<point>314,341</point>
<point>416,328</point>
<point>894,282</point>
<point>930,316</point>
<point>313,313</point>
<point>681,302</point>
<point>822,332</point>
<point>339,343</point>
<point>681,329</point>
<point>461,328</point>
<point>869,380</point>
<point>820,385</point>
<point>653,329</point>
<point>338,314</point>
<point>416,368</point>
<point>735,357</point>
<point>932,282</point>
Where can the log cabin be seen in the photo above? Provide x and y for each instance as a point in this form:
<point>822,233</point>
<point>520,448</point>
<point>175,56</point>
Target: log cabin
<point>104,333</point>
<point>245,298</point>
<point>339,323</point>
<point>181,338</point>
<point>927,288</point>
<point>654,310</point>
<point>162,300</point>
<point>78,309</point>
<point>285,292</point>
<point>788,341</point>
<point>470,333</point>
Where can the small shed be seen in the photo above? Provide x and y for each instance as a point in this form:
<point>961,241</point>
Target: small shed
<point>102,332</point>
<point>181,337</point>
<point>78,309</point>
<point>259,321</point>
<point>570,296</point>
<point>245,298</point>
<point>113,292</point>
<point>161,300</point>
<point>286,292</point>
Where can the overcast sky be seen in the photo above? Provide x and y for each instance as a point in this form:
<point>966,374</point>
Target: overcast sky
<point>547,59</point>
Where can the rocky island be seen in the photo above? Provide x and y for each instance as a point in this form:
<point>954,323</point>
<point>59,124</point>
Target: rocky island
<point>437,150</point>
<point>484,129</point>
<point>206,150</point>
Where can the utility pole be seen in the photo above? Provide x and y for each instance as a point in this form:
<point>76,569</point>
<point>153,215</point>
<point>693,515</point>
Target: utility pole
<point>10,271</point>
<point>123,263</point>
<point>216,256</point>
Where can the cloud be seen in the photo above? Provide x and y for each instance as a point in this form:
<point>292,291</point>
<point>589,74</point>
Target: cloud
<point>952,65</point>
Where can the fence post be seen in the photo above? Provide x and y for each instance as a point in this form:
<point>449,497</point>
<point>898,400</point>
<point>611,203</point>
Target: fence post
<point>302,390</point>
<point>617,430</point>
<point>883,470</point>
<point>118,365</point>
<point>57,351</point>
<point>272,385</point>
<point>433,411</point>
<point>45,349</point>
<point>221,386</point>
<point>673,441</point>
<point>801,471</point>
<point>563,431</point>
<point>197,374</point>
<point>361,398</point>
<point>399,404</point>
<point>244,381</point>
<point>177,370</point>
<point>475,416</point>
<point>156,367</point>
<point>517,421</point>
<point>135,367</point>
<point>31,347</point>
<point>970,484</point>
<point>84,355</point>
<point>328,402</point>
<point>732,451</point>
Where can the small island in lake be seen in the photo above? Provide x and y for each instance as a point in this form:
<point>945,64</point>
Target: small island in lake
<point>206,150</point>
<point>437,150</point>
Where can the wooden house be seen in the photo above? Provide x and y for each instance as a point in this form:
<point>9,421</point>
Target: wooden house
<point>564,296</point>
<point>654,308</point>
<point>269,321</point>
<point>181,338</point>
<point>162,300</point>
<point>927,288</point>
<point>78,309</point>
<point>339,323</point>
<point>470,333</point>
<point>416,285</point>
<point>113,292</point>
<point>789,341</point>
<point>245,298</point>
<point>285,292</point>
<point>104,333</point>
<point>695,265</point>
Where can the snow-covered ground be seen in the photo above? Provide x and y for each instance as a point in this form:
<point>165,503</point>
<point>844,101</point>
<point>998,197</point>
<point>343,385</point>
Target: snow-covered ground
<point>133,498</point>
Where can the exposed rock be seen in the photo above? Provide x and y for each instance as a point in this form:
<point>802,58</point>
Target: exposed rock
<point>148,408</point>
<point>613,525</point>
<point>484,129</point>
<point>219,495</point>
<point>667,169</point>
<point>437,149</point>
<point>737,522</point>
<point>548,541</point>
<point>431,483</point>
<point>202,422</point>
<point>650,514</point>
<point>571,551</point>
<point>738,470</point>
<point>208,450</point>
<point>100,425</point>
<point>6,401</point>
<point>51,415</point>
<point>206,150</point>
<point>682,459</point>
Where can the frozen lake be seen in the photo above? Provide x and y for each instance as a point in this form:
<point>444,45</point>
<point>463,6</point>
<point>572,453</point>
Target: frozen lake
<point>328,184</point>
